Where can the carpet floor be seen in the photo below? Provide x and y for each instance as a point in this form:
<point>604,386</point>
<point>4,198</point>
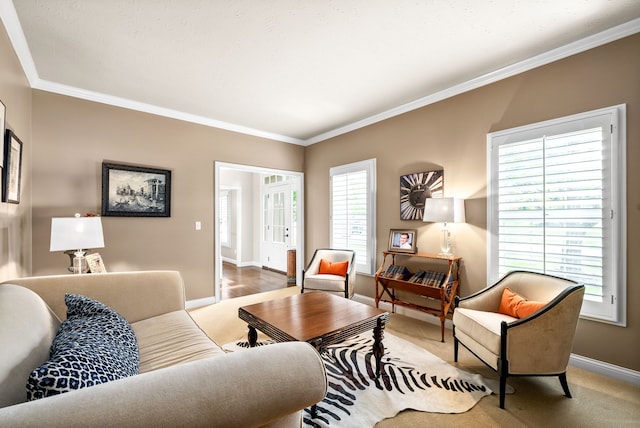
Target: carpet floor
<point>598,401</point>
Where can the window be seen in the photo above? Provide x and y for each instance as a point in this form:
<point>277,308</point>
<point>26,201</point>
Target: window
<point>353,211</point>
<point>556,205</point>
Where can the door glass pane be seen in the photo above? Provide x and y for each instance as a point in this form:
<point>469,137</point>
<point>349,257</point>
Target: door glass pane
<point>278,217</point>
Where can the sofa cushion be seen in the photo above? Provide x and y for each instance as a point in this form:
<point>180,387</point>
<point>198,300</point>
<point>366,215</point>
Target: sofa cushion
<point>94,345</point>
<point>483,326</point>
<point>170,339</point>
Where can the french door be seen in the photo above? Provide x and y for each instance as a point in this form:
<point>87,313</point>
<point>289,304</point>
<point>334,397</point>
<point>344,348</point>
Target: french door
<point>276,225</point>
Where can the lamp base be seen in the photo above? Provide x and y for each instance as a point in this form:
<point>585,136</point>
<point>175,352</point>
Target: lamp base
<point>445,244</point>
<point>84,264</point>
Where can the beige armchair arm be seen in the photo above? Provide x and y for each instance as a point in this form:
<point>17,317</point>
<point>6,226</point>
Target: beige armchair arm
<point>486,300</point>
<point>248,388</point>
<point>553,328</point>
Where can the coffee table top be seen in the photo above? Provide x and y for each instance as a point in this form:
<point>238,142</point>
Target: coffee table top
<point>311,316</point>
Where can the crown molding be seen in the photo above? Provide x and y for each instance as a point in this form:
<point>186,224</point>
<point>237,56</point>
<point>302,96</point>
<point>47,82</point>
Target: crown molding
<point>562,52</point>
<point>98,97</point>
<point>10,20</point>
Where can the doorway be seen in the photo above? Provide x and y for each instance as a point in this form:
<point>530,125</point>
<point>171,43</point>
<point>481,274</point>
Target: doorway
<point>258,218</point>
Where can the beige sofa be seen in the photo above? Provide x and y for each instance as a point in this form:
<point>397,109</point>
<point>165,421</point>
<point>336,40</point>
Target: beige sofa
<point>185,378</point>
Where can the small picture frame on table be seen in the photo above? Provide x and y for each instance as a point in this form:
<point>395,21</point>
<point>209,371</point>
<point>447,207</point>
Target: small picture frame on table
<point>403,240</point>
<point>95,263</point>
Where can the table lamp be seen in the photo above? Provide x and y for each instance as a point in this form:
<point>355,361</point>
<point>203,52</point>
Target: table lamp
<point>75,235</point>
<point>444,210</point>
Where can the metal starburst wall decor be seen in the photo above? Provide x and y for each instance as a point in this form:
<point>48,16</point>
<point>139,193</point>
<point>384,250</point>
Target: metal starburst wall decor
<point>415,188</point>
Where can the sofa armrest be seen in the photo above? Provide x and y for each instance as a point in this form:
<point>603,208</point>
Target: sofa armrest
<point>243,389</point>
<point>135,295</point>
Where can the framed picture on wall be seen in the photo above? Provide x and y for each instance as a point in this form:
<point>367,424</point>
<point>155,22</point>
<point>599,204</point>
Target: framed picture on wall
<point>403,240</point>
<point>12,172</point>
<point>415,188</point>
<point>3,126</point>
<point>135,191</point>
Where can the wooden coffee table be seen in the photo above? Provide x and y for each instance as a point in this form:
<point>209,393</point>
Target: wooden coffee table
<point>316,317</point>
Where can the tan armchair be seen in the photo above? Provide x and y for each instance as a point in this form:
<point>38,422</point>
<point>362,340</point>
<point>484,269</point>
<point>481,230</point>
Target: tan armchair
<point>313,279</point>
<point>535,345</point>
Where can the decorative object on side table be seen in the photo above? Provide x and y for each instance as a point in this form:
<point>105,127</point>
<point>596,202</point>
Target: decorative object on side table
<point>12,172</point>
<point>403,240</point>
<point>444,210</point>
<point>135,191</point>
<point>95,263</point>
<point>415,189</point>
<point>74,236</point>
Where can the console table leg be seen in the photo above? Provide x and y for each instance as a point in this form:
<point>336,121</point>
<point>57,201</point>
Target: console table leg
<point>253,337</point>
<point>378,347</point>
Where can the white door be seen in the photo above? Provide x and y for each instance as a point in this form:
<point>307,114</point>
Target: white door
<point>276,229</point>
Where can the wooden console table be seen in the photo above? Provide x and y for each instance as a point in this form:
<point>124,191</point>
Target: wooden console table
<point>389,280</point>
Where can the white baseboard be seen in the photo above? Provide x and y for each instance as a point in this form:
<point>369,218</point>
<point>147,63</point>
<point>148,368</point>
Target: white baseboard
<point>596,366</point>
<point>605,369</point>
<point>241,264</point>
<point>192,304</point>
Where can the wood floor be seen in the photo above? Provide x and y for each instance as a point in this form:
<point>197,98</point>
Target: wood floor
<point>237,282</point>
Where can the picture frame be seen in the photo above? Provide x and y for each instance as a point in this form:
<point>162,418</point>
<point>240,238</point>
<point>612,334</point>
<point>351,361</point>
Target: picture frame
<point>12,171</point>
<point>415,188</point>
<point>403,240</point>
<point>3,127</point>
<point>135,191</point>
<point>95,263</point>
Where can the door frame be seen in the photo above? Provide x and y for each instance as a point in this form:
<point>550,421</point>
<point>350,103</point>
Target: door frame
<point>299,244</point>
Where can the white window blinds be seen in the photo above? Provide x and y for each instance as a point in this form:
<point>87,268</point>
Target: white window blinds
<point>353,211</point>
<point>554,205</point>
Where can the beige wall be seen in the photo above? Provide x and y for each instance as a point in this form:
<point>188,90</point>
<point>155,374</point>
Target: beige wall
<point>452,135</point>
<point>15,219</point>
<point>71,139</point>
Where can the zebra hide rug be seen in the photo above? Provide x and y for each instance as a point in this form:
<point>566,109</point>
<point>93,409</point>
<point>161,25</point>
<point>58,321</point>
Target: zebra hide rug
<point>410,378</point>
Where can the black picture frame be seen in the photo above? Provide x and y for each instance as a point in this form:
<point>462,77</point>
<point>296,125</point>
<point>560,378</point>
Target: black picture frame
<point>396,243</point>
<point>3,126</point>
<point>415,188</point>
<point>12,171</point>
<point>135,191</point>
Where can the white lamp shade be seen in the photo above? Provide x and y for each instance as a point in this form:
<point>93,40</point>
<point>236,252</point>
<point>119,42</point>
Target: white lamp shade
<point>76,233</point>
<point>444,210</point>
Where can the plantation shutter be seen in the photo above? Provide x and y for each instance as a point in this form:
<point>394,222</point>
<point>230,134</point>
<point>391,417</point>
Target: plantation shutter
<point>353,211</point>
<point>553,206</point>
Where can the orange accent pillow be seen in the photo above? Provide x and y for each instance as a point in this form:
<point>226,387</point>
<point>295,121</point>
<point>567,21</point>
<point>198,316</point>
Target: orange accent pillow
<point>515,305</point>
<point>333,268</point>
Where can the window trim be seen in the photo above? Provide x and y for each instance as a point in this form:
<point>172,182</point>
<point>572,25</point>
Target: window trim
<point>618,191</point>
<point>369,166</point>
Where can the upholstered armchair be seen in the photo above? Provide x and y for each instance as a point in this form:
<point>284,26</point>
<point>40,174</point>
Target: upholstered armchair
<point>527,330</point>
<point>330,270</point>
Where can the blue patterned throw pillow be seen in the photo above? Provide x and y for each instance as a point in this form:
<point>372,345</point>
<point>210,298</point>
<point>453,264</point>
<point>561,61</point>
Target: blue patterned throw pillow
<point>94,345</point>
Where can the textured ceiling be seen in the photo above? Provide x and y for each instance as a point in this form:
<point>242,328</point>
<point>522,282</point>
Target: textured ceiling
<point>292,70</point>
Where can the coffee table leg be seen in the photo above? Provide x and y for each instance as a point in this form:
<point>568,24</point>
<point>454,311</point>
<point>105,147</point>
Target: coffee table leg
<point>378,347</point>
<point>253,337</point>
